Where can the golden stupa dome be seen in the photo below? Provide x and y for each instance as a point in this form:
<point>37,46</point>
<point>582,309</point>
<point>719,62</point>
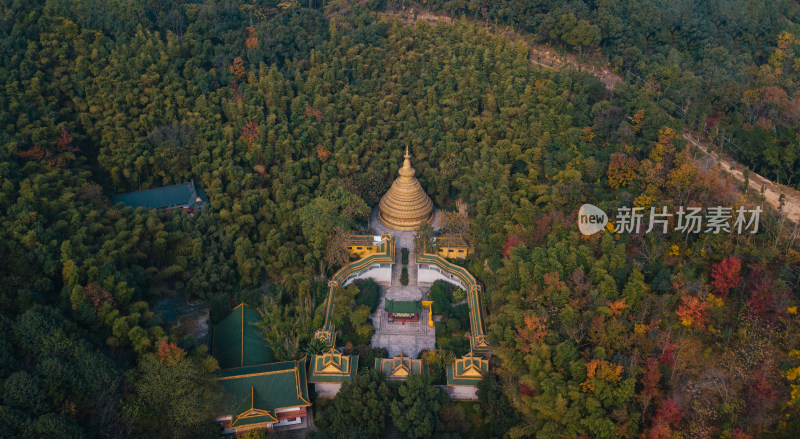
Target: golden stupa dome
<point>406,205</point>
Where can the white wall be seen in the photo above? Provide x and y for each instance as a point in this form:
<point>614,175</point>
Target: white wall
<point>428,276</point>
<point>380,275</point>
<point>327,390</point>
<point>461,393</point>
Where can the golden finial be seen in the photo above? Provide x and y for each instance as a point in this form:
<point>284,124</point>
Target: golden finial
<point>407,170</point>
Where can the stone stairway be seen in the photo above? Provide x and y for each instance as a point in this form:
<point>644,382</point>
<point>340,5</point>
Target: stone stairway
<point>397,268</point>
<point>413,270</point>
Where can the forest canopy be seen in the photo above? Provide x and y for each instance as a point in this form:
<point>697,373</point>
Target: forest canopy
<point>293,117</point>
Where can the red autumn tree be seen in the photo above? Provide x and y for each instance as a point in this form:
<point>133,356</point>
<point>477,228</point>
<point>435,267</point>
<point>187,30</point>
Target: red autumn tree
<point>511,242</point>
<point>667,355</point>
<point>250,133</point>
<point>97,295</point>
<point>650,380</point>
<point>668,416</point>
<point>37,153</point>
<point>762,294</point>
<point>726,275</point>
<point>311,111</point>
<point>64,142</point>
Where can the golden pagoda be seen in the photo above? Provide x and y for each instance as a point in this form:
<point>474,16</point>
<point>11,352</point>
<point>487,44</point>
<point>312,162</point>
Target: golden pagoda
<point>406,205</point>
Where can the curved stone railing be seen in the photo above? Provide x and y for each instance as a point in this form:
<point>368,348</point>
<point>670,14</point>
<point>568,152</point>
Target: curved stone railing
<point>384,254</point>
<point>478,341</point>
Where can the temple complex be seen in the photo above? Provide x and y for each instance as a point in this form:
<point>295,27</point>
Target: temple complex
<point>267,394</point>
<point>406,205</point>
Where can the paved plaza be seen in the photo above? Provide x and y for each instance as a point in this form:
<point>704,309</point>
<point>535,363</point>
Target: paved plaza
<point>412,337</point>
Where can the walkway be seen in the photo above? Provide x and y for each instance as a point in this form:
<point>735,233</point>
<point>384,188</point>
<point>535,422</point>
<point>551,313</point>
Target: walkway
<point>409,338</point>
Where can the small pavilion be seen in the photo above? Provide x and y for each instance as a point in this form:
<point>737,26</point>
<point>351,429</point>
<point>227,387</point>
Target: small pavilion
<point>328,371</point>
<point>400,367</point>
<point>403,310</point>
<point>468,370</point>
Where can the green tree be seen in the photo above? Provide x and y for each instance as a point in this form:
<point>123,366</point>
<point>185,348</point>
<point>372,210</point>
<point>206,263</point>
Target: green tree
<point>359,409</point>
<point>423,238</point>
<point>174,399</point>
<point>415,411</point>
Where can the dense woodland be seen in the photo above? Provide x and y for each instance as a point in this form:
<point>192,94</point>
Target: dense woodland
<point>293,117</point>
<point>727,67</point>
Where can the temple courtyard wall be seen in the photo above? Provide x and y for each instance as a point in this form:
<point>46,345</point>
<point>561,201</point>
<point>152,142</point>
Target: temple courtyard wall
<point>327,390</point>
<point>461,393</point>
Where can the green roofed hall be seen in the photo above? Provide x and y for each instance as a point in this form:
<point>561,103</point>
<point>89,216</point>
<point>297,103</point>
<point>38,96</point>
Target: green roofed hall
<point>185,196</point>
<point>265,394</point>
<point>403,306</point>
<point>236,342</point>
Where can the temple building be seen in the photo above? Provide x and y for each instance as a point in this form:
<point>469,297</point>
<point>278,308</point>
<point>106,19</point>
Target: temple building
<point>452,247</point>
<point>405,311</point>
<point>400,367</point>
<point>361,246</point>
<point>468,370</point>
<point>260,394</point>
<point>186,196</point>
<point>329,370</point>
<point>405,206</point>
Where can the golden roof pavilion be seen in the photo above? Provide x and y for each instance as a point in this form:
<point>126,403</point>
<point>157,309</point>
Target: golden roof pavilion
<point>406,205</point>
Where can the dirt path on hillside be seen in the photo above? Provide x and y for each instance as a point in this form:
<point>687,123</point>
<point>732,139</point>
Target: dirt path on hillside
<point>549,58</point>
<point>542,55</point>
<point>772,191</point>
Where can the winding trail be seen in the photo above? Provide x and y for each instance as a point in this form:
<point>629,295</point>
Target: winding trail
<point>772,190</point>
<point>540,54</point>
<point>549,58</point>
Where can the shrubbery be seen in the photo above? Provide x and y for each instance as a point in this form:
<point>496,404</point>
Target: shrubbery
<point>370,294</point>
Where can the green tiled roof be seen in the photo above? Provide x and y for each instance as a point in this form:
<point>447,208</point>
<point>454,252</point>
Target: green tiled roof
<point>256,392</point>
<point>399,367</point>
<point>236,342</point>
<point>332,367</point>
<point>403,306</point>
<point>184,194</point>
<point>365,240</point>
<point>468,370</point>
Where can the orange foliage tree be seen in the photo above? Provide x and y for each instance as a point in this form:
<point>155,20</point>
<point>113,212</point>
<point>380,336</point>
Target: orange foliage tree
<point>322,153</point>
<point>252,41</point>
<point>170,353</point>
<point>693,312</point>
<point>621,170</point>
<point>237,69</point>
<point>534,331</point>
